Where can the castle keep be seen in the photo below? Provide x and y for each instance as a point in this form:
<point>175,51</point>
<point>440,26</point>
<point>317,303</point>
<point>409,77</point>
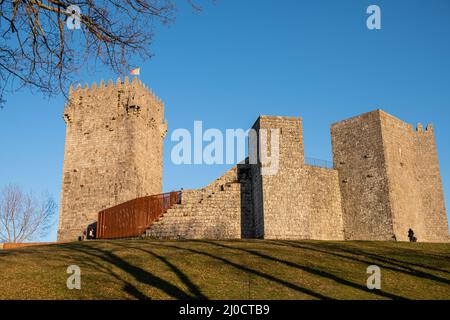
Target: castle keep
<point>385,179</point>
<point>389,179</point>
<point>113,151</point>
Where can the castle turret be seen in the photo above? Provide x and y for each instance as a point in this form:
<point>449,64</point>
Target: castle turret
<point>113,151</point>
<point>390,179</point>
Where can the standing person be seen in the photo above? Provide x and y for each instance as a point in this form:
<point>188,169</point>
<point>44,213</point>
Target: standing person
<point>83,237</point>
<point>411,235</point>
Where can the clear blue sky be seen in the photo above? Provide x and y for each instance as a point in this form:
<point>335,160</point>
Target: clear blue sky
<point>242,58</point>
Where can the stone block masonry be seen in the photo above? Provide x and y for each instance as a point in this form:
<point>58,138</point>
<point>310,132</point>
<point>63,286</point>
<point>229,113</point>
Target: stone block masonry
<point>385,181</point>
<point>213,212</point>
<point>113,151</point>
<point>358,155</point>
<point>299,201</point>
<point>390,179</point>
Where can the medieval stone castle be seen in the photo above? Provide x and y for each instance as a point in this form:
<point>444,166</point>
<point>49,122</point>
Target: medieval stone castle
<point>385,179</point>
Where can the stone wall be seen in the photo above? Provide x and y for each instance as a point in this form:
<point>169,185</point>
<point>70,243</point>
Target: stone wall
<point>359,157</point>
<point>298,202</point>
<point>113,151</point>
<point>415,186</point>
<point>257,202</point>
<point>323,202</point>
<point>257,205</point>
<point>212,212</point>
<point>390,179</point>
<point>248,223</point>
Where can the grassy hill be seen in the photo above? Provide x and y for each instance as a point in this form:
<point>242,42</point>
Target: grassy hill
<point>142,269</point>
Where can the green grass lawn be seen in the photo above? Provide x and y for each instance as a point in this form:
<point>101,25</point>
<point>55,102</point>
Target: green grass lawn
<point>254,269</point>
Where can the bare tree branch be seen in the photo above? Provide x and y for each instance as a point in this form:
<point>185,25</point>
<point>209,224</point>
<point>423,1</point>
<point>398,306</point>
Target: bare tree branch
<point>38,50</point>
<point>24,217</point>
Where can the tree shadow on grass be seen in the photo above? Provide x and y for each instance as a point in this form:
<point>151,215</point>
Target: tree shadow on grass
<point>127,286</point>
<point>394,261</point>
<point>251,271</point>
<point>396,265</point>
<point>412,246</point>
<point>313,271</point>
<point>193,288</point>
<point>138,273</point>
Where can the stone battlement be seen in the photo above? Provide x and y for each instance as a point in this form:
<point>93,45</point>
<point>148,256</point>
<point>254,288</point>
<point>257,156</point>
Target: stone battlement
<point>118,87</point>
<point>382,114</point>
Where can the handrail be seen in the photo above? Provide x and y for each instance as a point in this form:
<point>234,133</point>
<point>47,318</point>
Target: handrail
<point>132,218</point>
<point>319,163</point>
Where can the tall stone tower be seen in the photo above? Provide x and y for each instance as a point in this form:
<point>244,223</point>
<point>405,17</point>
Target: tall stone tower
<point>390,179</point>
<point>113,151</point>
<point>296,201</point>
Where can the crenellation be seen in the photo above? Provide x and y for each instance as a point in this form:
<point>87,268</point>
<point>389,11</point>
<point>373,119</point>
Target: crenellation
<point>419,127</point>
